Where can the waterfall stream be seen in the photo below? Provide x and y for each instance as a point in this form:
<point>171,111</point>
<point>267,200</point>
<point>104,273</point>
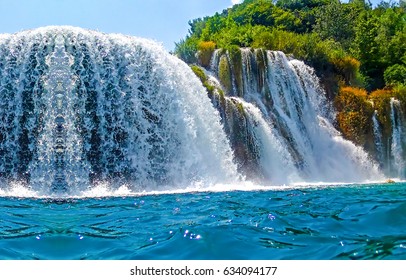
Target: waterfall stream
<point>292,112</point>
<point>397,144</point>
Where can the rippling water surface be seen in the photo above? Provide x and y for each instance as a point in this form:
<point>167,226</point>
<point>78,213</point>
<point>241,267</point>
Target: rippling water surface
<point>335,222</point>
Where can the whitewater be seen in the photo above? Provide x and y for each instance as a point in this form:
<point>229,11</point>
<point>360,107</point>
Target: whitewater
<point>80,106</point>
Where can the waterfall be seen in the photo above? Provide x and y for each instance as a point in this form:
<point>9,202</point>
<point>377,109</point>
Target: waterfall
<point>58,162</point>
<point>379,148</point>
<point>79,107</point>
<point>397,143</point>
<point>291,111</point>
<point>273,154</point>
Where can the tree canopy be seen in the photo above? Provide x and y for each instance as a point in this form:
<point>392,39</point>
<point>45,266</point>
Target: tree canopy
<point>364,45</point>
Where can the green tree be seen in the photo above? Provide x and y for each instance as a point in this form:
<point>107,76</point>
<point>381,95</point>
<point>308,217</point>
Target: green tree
<point>395,75</point>
<point>336,21</point>
<point>366,49</point>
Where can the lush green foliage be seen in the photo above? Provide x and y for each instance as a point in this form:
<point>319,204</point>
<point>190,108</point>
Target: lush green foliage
<point>355,43</point>
<point>395,74</point>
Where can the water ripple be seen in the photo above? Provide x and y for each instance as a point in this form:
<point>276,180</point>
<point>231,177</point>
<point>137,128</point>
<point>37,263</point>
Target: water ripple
<point>362,222</point>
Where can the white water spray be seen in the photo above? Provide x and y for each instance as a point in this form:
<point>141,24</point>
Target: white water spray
<point>80,108</point>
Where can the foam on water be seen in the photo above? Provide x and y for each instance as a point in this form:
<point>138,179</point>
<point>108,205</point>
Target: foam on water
<point>104,190</point>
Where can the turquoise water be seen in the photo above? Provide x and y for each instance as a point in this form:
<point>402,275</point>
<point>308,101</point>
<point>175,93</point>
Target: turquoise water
<point>336,222</point>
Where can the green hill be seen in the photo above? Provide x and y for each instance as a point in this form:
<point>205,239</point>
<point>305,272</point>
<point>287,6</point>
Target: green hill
<point>352,42</point>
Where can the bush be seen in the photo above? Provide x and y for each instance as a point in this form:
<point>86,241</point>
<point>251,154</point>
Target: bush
<point>348,67</point>
<point>350,99</point>
<point>381,100</point>
<point>186,50</point>
<point>400,94</point>
<point>205,52</point>
<point>395,75</point>
<point>354,114</point>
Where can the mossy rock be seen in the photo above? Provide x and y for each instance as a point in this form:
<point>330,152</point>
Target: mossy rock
<point>261,59</point>
<point>211,89</point>
<point>235,55</point>
<point>199,73</point>
<point>225,75</point>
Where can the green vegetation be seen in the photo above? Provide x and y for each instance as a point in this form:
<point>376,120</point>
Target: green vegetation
<point>205,51</point>
<point>203,78</point>
<point>355,109</point>
<point>351,43</point>
<point>381,100</point>
<point>225,74</point>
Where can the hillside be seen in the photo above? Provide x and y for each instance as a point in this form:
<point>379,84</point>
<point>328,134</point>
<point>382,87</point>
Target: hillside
<point>362,46</point>
<point>358,51</point>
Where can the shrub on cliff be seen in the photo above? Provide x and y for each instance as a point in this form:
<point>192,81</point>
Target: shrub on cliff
<point>205,52</point>
<point>354,114</point>
<point>347,67</point>
<point>381,100</point>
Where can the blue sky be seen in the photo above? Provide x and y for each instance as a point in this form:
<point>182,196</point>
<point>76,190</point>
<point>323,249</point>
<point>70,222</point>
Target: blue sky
<point>165,21</point>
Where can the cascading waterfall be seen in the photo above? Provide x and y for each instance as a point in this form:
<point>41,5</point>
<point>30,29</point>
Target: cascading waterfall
<point>58,162</point>
<point>79,107</point>
<point>291,106</point>
<point>272,153</point>
<point>398,142</point>
<point>379,147</point>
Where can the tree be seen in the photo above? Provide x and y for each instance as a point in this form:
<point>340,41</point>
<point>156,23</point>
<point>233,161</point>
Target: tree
<point>366,49</point>
<point>336,21</point>
<point>395,75</point>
